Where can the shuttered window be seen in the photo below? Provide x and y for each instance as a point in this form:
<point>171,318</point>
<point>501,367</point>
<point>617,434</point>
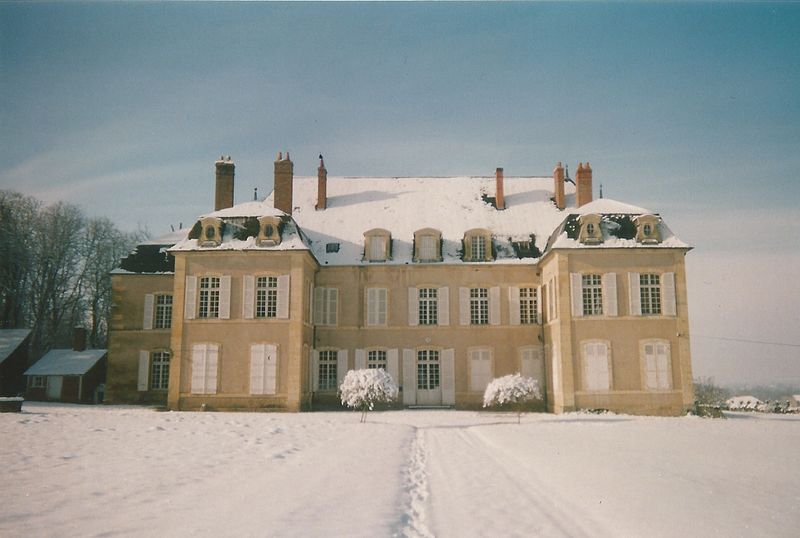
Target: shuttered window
<point>428,248</point>
<point>376,306</point>
<point>592,295</point>
<point>527,306</point>
<point>480,369</point>
<point>209,297</point>
<point>479,306</point>
<point>657,364</point>
<point>266,297</point>
<point>159,370</point>
<point>263,368</point>
<point>377,248</point>
<point>326,306</point>
<point>428,306</point>
<point>376,358</point>
<point>650,294</point>
<point>427,369</point>
<point>163,317</point>
<point>596,367</point>
<point>327,370</point>
<point>204,368</point>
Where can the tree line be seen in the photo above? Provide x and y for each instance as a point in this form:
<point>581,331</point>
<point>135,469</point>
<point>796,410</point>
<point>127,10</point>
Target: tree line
<point>54,270</point>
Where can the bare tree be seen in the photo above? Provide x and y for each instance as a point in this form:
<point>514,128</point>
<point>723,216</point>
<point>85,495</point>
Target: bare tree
<point>18,217</point>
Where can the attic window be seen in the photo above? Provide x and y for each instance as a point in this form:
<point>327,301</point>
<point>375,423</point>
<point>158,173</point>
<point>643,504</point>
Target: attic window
<point>590,229</point>
<point>478,246</point>
<point>269,230</point>
<point>647,231</point>
<point>377,245</point>
<point>427,245</point>
<point>332,247</point>
<point>526,248</point>
<point>210,232</point>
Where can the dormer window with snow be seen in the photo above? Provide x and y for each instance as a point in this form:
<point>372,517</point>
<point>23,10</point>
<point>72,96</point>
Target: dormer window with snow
<point>210,232</point>
<point>478,245</point>
<point>647,231</point>
<point>269,231</point>
<point>377,245</point>
<point>427,245</point>
<point>590,232</point>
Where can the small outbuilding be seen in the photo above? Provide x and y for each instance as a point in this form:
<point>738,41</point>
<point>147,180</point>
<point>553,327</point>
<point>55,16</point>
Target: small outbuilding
<point>13,360</point>
<point>68,375</point>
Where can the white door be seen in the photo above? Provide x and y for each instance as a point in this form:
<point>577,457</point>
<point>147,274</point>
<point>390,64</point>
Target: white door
<point>54,387</point>
<point>429,390</point>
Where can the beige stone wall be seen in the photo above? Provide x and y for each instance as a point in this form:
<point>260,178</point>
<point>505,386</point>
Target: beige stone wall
<point>127,337</point>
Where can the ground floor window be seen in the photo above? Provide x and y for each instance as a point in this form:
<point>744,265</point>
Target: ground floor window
<point>38,382</point>
<point>159,370</point>
<point>327,370</point>
<point>480,368</point>
<point>596,367</point>
<point>657,365</point>
<point>376,358</point>
<point>427,369</point>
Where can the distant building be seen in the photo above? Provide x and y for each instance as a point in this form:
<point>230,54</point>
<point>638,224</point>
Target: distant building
<point>68,375</point>
<point>13,360</point>
<point>744,403</point>
<point>444,282</point>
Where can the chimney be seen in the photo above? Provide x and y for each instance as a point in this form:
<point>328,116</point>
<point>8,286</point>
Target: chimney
<point>500,200</point>
<point>322,185</point>
<point>284,178</point>
<point>558,188</point>
<point>583,184</point>
<point>79,339</point>
<point>223,196</point>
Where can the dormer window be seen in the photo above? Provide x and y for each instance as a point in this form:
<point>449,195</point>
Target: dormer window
<point>647,229</point>
<point>269,231</point>
<point>478,246</point>
<point>211,234</point>
<point>590,232</point>
<point>377,245</point>
<point>427,245</point>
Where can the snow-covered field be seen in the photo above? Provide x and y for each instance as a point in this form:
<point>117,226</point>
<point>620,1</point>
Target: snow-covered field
<point>124,471</point>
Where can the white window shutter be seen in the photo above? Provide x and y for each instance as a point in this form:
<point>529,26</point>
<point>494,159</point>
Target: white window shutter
<point>513,305</point>
<point>190,297</point>
<point>383,306</point>
<point>392,365</point>
<point>333,306</point>
<point>147,321</point>
<point>144,371</point>
<point>576,285</point>
<point>531,364</point>
<point>198,368</point>
<point>270,369</point>
<point>539,304</point>
<point>610,294</point>
<point>371,307</point>
<point>463,306</point>
<point>283,296</point>
<point>257,369</point>
<point>668,293</point>
<point>225,297</point>
<point>651,368</point>
<point>664,366</point>
<point>409,377</point>
<point>341,366</point>
<point>319,305</point>
<point>448,377</point>
<point>248,296</point>
<point>494,305</point>
<point>413,306</point>
<point>634,294</point>
<point>443,306</point>
<point>212,356</point>
<point>361,359</point>
<point>314,370</point>
<point>556,368</point>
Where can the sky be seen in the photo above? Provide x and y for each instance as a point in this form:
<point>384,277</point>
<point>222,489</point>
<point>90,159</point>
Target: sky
<point>689,109</point>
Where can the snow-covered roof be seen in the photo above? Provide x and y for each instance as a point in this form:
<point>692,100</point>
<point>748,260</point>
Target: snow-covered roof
<point>66,362</point>
<point>10,340</point>
<point>742,402</point>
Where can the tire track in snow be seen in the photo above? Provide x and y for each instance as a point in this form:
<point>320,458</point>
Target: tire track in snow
<point>415,484</point>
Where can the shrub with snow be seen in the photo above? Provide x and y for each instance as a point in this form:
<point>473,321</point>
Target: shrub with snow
<point>362,389</point>
<point>511,390</point>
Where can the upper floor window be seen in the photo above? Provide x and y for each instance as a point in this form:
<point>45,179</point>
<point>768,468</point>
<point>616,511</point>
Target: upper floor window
<point>479,306</point>
<point>377,306</point>
<point>477,246</point>
<point>377,245</point>
<point>592,295</point>
<point>527,306</point>
<point>428,306</point>
<point>650,293</point>
<point>326,306</point>
<point>266,297</point>
<point>376,358</point>
<point>209,297</point>
<point>163,314</point>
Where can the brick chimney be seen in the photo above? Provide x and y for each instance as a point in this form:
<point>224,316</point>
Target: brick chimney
<point>79,339</point>
<point>558,186</point>
<point>583,184</point>
<point>284,178</point>
<point>223,195</point>
<point>500,199</point>
<point>322,185</point>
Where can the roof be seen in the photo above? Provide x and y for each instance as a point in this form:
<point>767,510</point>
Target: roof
<point>151,257</point>
<point>10,340</point>
<point>66,362</point>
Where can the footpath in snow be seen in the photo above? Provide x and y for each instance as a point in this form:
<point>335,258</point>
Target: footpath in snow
<point>73,470</point>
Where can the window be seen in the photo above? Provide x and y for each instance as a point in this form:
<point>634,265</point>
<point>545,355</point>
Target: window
<point>376,306</point>
<point>428,306</point>
<point>376,358</point>
<point>159,370</point>
<point>647,230</point>
<point>163,311</point>
<point>263,368</point>
<point>377,248</point>
<point>331,247</point>
<point>656,365</point>
<point>427,369</point>
<point>590,229</point>
<point>326,305</point>
<point>478,243</point>
<point>479,306</point>
<point>527,306</point>
<point>592,295</point>
<point>596,368</point>
<point>210,233</point>
<point>650,293</point>
<point>209,297</point>
<point>480,369</point>
<point>428,248</point>
<point>38,382</point>
<point>204,368</point>
<point>266,297</point>
<point>327,370</point>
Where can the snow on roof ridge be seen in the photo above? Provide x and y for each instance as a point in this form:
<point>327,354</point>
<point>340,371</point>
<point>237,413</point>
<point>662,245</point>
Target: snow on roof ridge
<point>609,205</point>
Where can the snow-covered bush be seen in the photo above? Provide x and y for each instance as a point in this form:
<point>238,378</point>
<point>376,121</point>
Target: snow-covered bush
<point>362,389</point>
<point>511,390</point>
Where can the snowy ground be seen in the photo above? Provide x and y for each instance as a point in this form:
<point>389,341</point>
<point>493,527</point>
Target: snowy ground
<point>125,471</point>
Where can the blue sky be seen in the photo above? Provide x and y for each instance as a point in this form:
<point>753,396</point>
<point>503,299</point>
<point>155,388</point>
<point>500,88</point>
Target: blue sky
<point>692,110</point>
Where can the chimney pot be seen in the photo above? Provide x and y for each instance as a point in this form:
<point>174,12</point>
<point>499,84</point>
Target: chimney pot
<point>583,184</point>
<point>79,339</point>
